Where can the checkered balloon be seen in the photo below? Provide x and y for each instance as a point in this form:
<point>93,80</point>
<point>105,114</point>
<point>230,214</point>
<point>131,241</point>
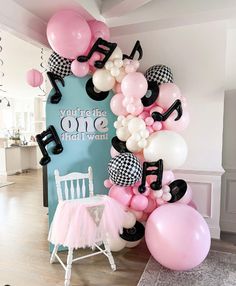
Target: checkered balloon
<point>159,74</point>
<point>59,65</point>
<point>125,169</point>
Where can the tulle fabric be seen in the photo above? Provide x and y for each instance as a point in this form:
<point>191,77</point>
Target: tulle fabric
<point>73,226</point>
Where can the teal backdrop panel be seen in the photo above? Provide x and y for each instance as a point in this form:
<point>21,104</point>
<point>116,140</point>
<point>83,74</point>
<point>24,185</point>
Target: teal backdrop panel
<point>85,128</point>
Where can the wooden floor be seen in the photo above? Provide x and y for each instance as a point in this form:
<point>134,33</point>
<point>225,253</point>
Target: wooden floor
<point>24,255</point>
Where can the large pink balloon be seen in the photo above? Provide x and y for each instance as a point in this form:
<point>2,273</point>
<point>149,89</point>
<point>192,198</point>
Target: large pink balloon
<point>134,85</point>
<point>122,194</point>
<point>177,236</point>
<point>177,125</point>
<point>68,34</point>
<point>168,93</point>
<point>34,78</point>
<point>99,30</point>
<point>116,104</point>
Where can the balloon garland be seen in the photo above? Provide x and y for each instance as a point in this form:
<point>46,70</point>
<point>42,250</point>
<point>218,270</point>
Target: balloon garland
<point>151,112</point>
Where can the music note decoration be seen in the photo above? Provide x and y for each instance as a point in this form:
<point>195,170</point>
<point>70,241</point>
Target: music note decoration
<point>137,48</point>
<point>118,145</point>
<point>44,139</point>
<point>157,116</point>
<point>178,189</point>
<point>152,168</point>
<point>56,97</point>
<point>151,95</point>
<point>103,47</point>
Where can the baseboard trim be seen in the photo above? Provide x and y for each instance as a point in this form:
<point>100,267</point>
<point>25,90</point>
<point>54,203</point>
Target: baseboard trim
<point>215,232</point>
<point>228,226</point>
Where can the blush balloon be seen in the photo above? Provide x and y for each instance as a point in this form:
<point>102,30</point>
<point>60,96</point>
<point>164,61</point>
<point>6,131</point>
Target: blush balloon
<point>139,202</point>
<point>134,85</point>
<point>79,69</point>
<point>116,105</point>
<point>168,93</point>
<point>121,194</point>
<point>34,78</point>
<point>177,125</point>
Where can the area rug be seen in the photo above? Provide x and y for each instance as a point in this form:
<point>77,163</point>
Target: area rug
<point>218,269</point>
<point>5,184</point>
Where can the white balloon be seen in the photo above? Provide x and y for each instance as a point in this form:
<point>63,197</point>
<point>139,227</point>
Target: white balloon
<point>121,75</point>
<point>131,244</point>
<point>103,80</point>
<point>123,133</point>
<point>129,220</point>
<point>117,54</point>
<point>109,65</point>
<point>115,71</point>
<point>116,244</point>
<point>118,63</point>
<point>132,145</point>
<point>136,124</point>
<point>168,146</point>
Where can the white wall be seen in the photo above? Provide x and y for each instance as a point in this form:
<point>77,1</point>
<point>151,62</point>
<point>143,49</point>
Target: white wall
<point>196,55</point>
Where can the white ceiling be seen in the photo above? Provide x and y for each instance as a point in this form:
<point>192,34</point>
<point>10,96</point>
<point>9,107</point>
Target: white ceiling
<point>29,17</point>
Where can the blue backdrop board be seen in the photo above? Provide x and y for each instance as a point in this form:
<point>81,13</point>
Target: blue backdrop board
<point>85,128</point>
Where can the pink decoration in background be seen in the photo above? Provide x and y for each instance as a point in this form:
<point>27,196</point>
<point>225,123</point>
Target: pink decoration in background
<point>121,194</point>
<point>179,125</point>
<point>98,30</point>
<point>174,231</point>
<point>68,34</point>
<point>134,85</point>
<point>79,69</point>
<point>117,106</point>
<point>34,78</point>
<point>168,93</point>
<point>138,202</point>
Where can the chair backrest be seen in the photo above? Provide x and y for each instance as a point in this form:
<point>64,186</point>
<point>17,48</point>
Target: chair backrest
<point>75,189</point>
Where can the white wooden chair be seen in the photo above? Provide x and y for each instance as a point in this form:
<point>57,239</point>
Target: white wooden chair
<point>71,194</point>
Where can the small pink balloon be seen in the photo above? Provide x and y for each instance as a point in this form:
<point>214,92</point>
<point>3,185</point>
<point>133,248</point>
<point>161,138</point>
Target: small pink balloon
<point>130,68</point>
<point>113,152</point>
<point>79,69</point>
<point>68,34</point>
<point>34,78</point>
<point>108,184</point>
<point>139,202</point>
<point>150,129</point>
<point>157,126</point>
<point>193,205</point>
<point>168,93</point>
<point>152,205</point>
<point>160,202</point>
<point>144,115</point>
<point>99,30</point>
<point>121,194</point>
<point>117,88</point>
<point>135,108</point>
<point>95,57</point>
<point>116,105</point>
<point>187,198</point>
<point>149,121</point>
<point>134,84</point>
<point>140,157</point>
<point>177,125</point>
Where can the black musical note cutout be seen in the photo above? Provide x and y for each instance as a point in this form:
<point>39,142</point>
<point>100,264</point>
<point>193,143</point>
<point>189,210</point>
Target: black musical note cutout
<point>119,145</point>
<point>178,189</point>
<point>156,185</point>
<point>157,116</point>
<point>92,93</point>
<point>103,47</point>
<point>151,95</point>
<point>44,139</point>
<point>56,97</point>
<point>137,48</point>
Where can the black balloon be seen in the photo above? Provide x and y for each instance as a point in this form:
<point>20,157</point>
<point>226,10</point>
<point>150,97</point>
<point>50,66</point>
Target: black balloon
<point>178,189</point>
<point>159,74</point>
<point>134,233</point>
<point>59,65</point>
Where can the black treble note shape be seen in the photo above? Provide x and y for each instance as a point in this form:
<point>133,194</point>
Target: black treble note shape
<point>151,95</point>
<point>157,116</point>
<point>44,139</point>
<point>103,47</point>
<point>119,145</point>
<point>56,97</point>
<point>137,48</point>
<point>158,171</point>
<point>178,189</point>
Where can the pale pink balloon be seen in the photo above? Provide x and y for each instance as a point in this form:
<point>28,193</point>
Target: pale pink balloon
<point>138,202</point>
<point>174,231</point>
<point>116,105</point>
<point>34,78</point>
<point>68,34</point>
<point>113,152</point>
<point>79,69</point>
<point>144,115</point>
<point>168,93</point>
<point>157,126</point>
<point>134,84</point>
<point>121,194</point>
<point>187,198</point>
<point>99,30</point>
<point>107,184</point>
<point>193,205</point>
<point>150,129</point>
<point>179,125</point>
<point>152,205</point>
<point>135,108</point>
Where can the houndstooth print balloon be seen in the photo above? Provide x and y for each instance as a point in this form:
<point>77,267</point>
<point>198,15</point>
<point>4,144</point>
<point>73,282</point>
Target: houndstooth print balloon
<point>59,65</point>
<point>159,74</point>
<point>125,169</point>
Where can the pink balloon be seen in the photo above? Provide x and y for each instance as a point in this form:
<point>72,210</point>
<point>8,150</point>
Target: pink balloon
<point>136,191</point>
<point>95,57</point>
<point>179,125</point>
<point>177,236</point>
<point>193,205</point>
<point>138,214</point>
<point>117,88</point>
<point>99,30</point>
<point>144,217</point>
<point>168,93</point>
<point>113,152</point>
<point>68,34</point>
<point>122,194</point>
<point>134,85</point>
<point>116,105</point>
<point>107,184</point>
<point>79,69</point>
<point>152,205</point>
<point>34,78</point>
<point>139,202</point>
<point>187,198</point>
<point>167,177</point>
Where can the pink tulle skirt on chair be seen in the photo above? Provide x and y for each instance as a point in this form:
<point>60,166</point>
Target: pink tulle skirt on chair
<point>83,222</point>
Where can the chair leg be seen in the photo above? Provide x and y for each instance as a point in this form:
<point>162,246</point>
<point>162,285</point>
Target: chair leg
<point>53,256</point>
<point>68,267</point>
<point>110,257</point>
